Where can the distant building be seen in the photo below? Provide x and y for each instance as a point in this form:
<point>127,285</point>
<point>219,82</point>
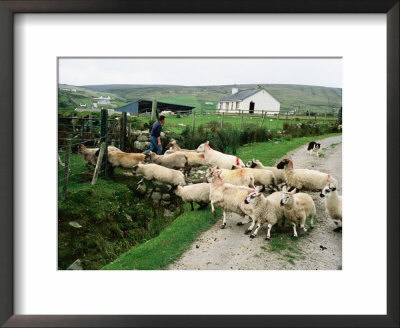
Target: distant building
<point>82,105</point>
<point>103,100</point>
<point>209,103</point>
<point>144,106</point>
<point>248,101</point>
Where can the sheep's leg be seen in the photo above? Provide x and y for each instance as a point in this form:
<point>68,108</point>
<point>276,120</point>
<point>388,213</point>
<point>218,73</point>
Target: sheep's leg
<point>250,228</point>
<point>294,229</point>
<point>223,221</point>
<point>213,209</point>
<point>191,204</point>
<point>269,231</point>
<point>302,223</point>
<point>141,181</point>
<point>312,221</point>
<point>254,234</point>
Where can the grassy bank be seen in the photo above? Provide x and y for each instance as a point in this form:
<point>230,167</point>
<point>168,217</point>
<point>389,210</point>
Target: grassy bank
<point>169,245</point>
<point>173,241</point>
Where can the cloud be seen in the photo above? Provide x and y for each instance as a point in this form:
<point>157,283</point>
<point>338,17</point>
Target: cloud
<point>201,71</point>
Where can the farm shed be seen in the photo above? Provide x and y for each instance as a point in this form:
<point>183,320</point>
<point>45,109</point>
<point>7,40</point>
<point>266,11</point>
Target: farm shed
<point>142,106</point>
<point>248,101</point>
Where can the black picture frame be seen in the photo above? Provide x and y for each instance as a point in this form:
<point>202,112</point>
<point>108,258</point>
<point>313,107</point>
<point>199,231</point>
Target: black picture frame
<point>10,7</point>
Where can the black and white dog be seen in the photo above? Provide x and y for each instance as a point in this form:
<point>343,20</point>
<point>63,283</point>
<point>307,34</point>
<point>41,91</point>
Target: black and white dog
<point>313,146</point>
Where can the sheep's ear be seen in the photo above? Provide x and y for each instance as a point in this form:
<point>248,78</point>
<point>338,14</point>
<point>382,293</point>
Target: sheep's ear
<point>284,188</point>
<point>293,191</point>
<point>207,142</point>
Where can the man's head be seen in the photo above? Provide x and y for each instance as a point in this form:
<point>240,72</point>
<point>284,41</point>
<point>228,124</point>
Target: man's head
<point>162,119</point>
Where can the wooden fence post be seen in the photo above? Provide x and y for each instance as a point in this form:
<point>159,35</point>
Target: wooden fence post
<point>241,119</point>
<point>103,138</point>
<point>277,121</point>
<point>66,169</point>
<point>325,118</point>
<point>103,148</point>
<point>82,130</point>
<point>194,123</point>
<point>153,116</point>
<point>123,121</point>
<point>263,117</point>
<point>222,120</point>
<point>287,113</point>
<point>90,123</point>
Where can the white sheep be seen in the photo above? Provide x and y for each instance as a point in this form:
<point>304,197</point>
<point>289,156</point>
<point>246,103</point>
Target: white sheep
<point>216,158</point>
<point>124,160</point>
<point>198,193</point>
<point>90,154</point>
<point>239,177</point>
<point>297,207</point>
<point>264,178</point>
<point>159,173</point>
<point>173,147</point>
<point>227,196</point>
<point>279,174</point>
<point>262,210</point>
<point>304,179</point>
<point>177,160</point>
<point>333,204</point>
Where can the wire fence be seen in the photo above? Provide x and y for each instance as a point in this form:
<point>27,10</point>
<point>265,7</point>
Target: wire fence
<point>82,137</point>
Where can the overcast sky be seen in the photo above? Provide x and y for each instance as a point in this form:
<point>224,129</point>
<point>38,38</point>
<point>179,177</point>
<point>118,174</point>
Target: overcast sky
<point>205,71</point>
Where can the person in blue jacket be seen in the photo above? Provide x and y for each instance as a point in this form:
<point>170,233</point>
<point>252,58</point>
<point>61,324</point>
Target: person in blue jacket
<point>155,139</point>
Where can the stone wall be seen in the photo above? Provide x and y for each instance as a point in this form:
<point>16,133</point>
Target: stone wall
<point>141,140</point>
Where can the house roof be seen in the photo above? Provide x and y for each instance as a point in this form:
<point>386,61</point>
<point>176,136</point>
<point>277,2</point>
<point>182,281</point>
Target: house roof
<point>240,95</point>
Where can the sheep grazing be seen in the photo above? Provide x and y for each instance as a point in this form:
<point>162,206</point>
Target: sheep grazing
<point>333,204</point>
<point>227,196</point>
<point>264,178</point>
<point>159,173</point>
<point>313,147</point>
<point>198,193</point>
<point>297,207</point>
<point>216,158</point>
<point>279,174</point>
<point>304,179</point>
<point>262,210</point>
<point>177,160</point>
<point>239,177</point>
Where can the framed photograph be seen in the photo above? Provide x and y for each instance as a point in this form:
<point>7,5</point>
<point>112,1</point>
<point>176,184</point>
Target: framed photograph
<point>48,47</point>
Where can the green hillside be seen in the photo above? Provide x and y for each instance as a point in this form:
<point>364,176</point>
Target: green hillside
<point>313,98</point>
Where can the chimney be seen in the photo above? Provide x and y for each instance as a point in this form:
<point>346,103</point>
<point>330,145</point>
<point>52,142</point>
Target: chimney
<point>235,90</point>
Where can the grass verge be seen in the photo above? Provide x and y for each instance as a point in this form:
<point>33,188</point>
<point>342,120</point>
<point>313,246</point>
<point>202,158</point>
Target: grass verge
<point>169,245</point>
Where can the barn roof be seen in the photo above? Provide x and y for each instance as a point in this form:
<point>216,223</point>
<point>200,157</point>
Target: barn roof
<point>144,105</point>
<point>240,95</point>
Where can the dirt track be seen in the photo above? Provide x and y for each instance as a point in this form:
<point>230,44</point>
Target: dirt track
<point>230,248</point>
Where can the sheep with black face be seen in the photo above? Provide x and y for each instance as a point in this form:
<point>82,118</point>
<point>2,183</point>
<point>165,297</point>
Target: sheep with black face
<point>304,179</point>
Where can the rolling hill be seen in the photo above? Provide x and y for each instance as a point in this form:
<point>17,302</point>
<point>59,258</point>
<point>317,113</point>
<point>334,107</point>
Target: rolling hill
<point>313,98</point>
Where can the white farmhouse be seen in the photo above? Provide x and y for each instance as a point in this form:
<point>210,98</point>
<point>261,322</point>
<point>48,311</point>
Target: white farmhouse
<point>249,101</point>
<point>103,100</point>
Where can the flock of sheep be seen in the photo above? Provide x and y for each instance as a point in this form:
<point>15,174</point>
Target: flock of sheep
<point>233,186</point>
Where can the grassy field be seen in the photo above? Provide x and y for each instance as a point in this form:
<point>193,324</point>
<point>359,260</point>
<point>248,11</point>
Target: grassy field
<point>175,124</point>
<point>173,241</point>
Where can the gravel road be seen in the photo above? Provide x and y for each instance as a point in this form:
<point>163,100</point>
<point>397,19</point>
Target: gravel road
<point>317,249</point>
